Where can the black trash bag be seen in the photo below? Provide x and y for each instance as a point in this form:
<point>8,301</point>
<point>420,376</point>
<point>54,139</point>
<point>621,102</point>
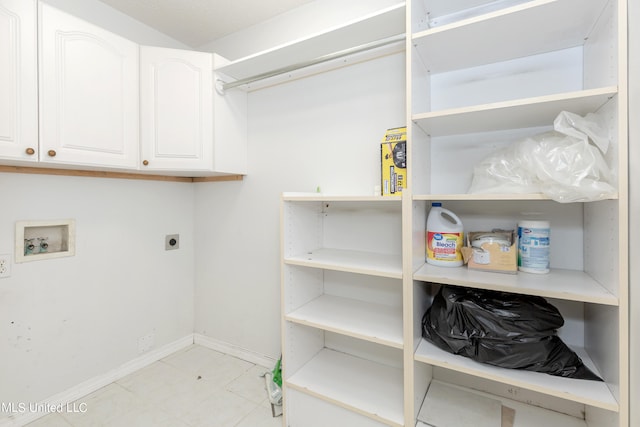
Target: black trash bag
<point>502,329</point>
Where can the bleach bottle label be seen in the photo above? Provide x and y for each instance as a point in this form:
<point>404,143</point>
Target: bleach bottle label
<point>444,246</point>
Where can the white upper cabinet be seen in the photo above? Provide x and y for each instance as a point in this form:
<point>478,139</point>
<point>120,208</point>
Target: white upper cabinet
<point>77,96</point>
<point>88,94</point>
<point>176,109</point>
<point>18,81</point>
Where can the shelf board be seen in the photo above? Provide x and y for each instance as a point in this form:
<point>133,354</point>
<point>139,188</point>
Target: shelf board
<point>376,323</point>
<point>321,197</point>
<point>371,389</point>
<point>526,415</point>
<point>593,393</point>
<point>521,113</point>
<point>486,197</point>
<point>374,264</point>
<point>481,197</point>
<point>534,27</point>
<point>376,26</point>
<point>561,284</point>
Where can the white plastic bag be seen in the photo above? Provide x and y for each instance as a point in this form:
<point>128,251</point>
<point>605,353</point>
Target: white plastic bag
<point>566,164</point>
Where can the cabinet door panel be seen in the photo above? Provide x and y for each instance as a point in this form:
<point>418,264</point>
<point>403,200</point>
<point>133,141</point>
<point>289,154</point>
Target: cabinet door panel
<point>176,109</point>
<point>89,93</point>
<point>18,80</point>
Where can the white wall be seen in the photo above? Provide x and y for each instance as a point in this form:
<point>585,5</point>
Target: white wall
<point>303,21</point>
<point>66,320</point>
<point>319,131</point>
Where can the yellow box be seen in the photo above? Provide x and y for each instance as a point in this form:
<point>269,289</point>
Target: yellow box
<point>393,154</point>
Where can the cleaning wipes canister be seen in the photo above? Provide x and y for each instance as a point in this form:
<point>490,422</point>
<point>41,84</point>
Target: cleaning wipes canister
<point>533,246</point>
<point>443,237</point>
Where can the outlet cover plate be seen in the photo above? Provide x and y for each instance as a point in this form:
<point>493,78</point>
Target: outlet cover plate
<point>172,241</point>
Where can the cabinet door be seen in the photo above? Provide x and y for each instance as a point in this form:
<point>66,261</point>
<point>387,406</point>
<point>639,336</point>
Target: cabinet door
<point>176,110</point>
<point>18,80</point>
<point>89,93</point>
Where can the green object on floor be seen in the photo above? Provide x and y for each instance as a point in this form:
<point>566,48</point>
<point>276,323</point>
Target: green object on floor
<point>277,373</point>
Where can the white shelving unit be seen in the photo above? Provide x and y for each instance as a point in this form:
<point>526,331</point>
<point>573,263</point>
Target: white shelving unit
<point>482,77</point>
<point>342,309</point>
<point>482,74</point>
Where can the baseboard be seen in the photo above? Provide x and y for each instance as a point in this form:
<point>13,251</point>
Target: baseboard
<point>233,350</point>
<point>93,384</point>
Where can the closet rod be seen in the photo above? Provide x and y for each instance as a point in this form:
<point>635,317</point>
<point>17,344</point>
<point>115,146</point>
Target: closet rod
<point>346,52</point>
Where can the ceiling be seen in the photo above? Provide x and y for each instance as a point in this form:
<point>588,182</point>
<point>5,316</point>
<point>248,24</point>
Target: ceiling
<point>197,22</point>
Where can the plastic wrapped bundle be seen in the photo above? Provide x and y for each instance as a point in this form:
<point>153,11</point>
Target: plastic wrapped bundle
<point>567,164</point>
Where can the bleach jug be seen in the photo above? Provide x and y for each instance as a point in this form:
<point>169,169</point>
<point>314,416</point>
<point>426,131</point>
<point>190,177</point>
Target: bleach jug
<point>443,237</point>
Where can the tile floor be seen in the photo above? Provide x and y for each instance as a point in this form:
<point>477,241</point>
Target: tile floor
<point>196,387</point>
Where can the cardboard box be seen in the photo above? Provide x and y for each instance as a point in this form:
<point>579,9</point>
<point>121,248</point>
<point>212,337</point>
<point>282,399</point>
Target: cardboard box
<point>492,251</point>
<point>393,155</point>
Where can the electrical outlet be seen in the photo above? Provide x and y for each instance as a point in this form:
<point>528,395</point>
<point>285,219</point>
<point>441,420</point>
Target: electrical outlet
<point>5,265</point>
<point>171,241</point>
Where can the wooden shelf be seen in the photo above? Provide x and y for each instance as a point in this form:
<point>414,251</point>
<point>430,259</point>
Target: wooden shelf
<point>377,323</point>
<point>360,262</point>
<point>369,388</point>
<point>592,393</point>
<point>561,284</point>
<point>521,113</point>
<point>120,175</point>
<point>376,26</point>
<point>540,25</point>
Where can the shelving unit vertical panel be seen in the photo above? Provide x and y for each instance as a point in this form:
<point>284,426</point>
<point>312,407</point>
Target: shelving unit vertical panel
<point>302,227</point>
<point>418,94</point>
<point>419,210</point>
<point>422,373</point>
<point>301,230</point>
<point>420,81</point>
<point>601,243</point>
<point>634,209</point>
<point>301,285</point>
<point>603,343</point>
<point>420,160</point>
<point>622,19</point>
<point>410,384</point>
<point>613,118</point>
<point>301,343</point>
<point>601,54</point>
